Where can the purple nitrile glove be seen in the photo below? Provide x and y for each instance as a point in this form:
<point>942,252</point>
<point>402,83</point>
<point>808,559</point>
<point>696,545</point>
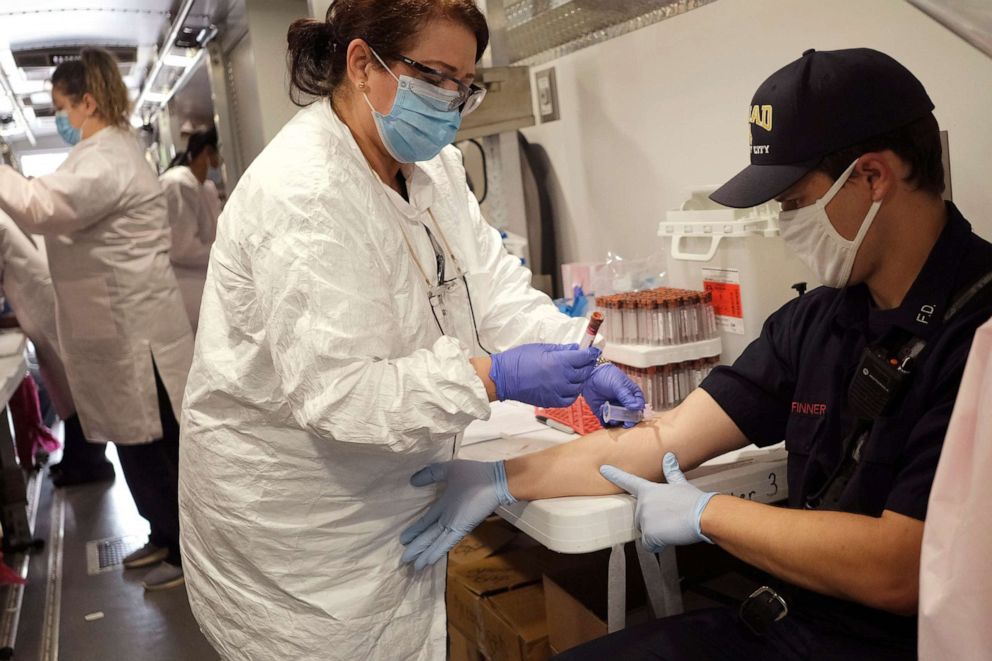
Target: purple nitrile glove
<point>547,375</point>
<point>609,384</point>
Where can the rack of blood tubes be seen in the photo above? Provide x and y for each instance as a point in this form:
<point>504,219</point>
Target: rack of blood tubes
<point>665,386</point>
<point>659,317</point>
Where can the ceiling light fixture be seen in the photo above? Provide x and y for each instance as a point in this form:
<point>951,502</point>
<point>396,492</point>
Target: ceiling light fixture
<point>167,43</point>
<point>15,102</point>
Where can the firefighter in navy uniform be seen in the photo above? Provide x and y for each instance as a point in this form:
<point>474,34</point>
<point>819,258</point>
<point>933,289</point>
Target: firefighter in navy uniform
<point>859,376</point>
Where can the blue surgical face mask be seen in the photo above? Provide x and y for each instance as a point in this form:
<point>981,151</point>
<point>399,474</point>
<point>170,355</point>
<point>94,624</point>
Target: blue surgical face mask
<point>69,133</point>
<point>214,175</point>
<point>420,124</point>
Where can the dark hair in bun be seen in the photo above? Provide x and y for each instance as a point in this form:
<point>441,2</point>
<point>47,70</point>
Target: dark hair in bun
<point>318,49</point>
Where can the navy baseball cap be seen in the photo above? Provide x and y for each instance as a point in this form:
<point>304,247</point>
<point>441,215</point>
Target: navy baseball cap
<point>823,102</point>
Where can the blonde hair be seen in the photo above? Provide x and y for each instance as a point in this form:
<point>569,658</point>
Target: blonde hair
<point>96,73</point>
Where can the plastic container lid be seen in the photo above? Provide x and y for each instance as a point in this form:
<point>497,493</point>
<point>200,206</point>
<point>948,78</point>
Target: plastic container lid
<point>701,217</point>
<point>646,355</point>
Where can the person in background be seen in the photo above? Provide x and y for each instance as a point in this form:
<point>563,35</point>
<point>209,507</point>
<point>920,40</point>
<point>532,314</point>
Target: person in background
<point>859,377</point>
<point>353,292</point>
<point>126,342</point>
<point>194,206</point>
<point>27,284</point>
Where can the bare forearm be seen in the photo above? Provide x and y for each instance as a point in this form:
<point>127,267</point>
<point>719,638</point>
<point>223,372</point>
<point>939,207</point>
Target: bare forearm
<point>695,431</point>
<point>572,469</point>
<point>864,559</point>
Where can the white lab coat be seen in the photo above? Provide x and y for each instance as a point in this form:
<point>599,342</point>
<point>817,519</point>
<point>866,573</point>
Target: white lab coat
<point>319,385</point>
<point>27,284</point>
<point>193,212</point>
<point>955,569</point>
<point>117,305</point>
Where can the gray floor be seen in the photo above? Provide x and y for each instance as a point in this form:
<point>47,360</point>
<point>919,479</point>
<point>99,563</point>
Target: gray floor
<point>135,624</point>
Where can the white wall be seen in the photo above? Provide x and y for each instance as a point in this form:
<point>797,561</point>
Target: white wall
<point>268,23</point>
<point>650,115</point>
<point>318,8</point>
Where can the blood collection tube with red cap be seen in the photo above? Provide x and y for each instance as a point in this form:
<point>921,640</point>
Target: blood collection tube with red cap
<point>595,321</point>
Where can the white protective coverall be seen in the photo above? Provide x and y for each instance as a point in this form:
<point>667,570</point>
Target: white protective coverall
<point>955,570</point>
<point>27,284</point>
<point>193,212</point>
<point>117,304</point>
<point>321,383</point>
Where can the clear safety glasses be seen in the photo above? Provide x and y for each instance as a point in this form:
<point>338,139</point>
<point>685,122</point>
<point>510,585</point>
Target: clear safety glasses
<point>469,96</point>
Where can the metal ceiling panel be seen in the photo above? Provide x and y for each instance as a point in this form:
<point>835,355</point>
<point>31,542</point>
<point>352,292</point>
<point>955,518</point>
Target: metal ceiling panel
<point>541,30</point>
<point>36,35</point>
<point>43,23</point>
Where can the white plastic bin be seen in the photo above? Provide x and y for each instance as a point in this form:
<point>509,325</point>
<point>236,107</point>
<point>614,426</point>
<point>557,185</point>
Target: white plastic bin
<point>738,255</point>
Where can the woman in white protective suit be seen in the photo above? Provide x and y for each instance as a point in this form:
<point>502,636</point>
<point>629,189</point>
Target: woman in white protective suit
<point>27,284</point>
<point>125,339</point>
<point>194,206</point>
<point>353,293</point>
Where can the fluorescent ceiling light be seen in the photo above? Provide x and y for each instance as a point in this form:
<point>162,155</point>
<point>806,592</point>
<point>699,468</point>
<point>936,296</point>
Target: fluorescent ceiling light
<point>25,86</point>
<point>155,97</point>
<point>177,61</point>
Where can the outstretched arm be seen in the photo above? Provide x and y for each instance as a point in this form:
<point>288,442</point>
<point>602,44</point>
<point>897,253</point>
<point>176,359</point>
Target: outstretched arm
<point>473,489</point>
<point>696,431</point>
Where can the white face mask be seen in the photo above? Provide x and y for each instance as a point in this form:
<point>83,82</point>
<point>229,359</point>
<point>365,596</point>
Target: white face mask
<point>809,233</point>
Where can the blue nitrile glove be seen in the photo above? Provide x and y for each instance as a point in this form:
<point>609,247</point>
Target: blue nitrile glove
<point>577,308</point>
<point>548,375</point>
<point>579,302</point>
<point>609,384</point>
<point>667,514</point>
<point>473,490</point>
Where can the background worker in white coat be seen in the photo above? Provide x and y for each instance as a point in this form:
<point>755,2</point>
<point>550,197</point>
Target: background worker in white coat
<point>194,206</point>
<point>125,339</point>
<point>27,284</point>
<point>353,291</point>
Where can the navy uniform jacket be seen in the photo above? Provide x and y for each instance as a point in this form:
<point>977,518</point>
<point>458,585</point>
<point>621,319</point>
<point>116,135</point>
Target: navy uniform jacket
<point>792,382</point>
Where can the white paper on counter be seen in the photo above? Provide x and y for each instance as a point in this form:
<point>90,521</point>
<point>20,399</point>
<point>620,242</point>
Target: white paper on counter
<point>513,446</point>
<point>506,419</point>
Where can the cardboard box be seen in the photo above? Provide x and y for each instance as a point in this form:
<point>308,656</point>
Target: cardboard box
<point>488,539</point>
<point>461,648</point>
<point>514,626</point>
<point>572,622</point>
<point>576,600</point>
<point>470,583</point>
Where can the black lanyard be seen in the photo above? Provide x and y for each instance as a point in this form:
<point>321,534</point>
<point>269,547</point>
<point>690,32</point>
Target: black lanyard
<point>438,255</point>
